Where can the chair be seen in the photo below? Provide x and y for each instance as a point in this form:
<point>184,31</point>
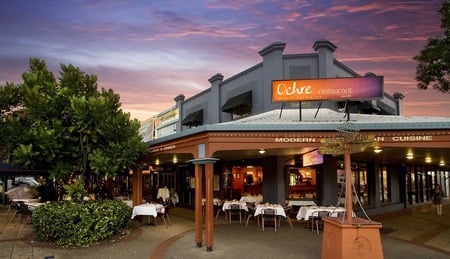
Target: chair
<point>218,207</point>
<point>165,215</point>
<point>12,207</point>
<point>288,210</point>
<point>234,210</point>
<point>269,215</point>
<point>251,214</point>
<point>249,205</point>
<point>15,205</point>
<point>25,212</point>
<point>337,214</point>
<point>317,219</point>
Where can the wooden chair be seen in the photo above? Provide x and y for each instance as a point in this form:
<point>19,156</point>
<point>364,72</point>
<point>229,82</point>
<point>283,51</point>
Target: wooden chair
<point>13,207</point>
<point>251,214</point>
<point>269,215</point>
<point>25,212</point>
<point>288,210</point>
<point>16,207</point>
<point>233,211</point>
<point>218,208</point>
<point>317,219</point>
<point>165,216</point>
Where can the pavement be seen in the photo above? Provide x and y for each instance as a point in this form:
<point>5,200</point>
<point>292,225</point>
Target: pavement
<point>410,233</point>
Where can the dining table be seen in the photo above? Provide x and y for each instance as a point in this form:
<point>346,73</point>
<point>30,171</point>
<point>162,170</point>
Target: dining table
<point>163,193</point>
<point>33,205</point>
<point>25,200</point>
<point>125,200</point>
<point>227,205</point>
<point>277,207</point>
<point>252,198</point>
<point>147,209</point>
<point>304,213</point>
<point>301,203</point>
<point>216,202</point>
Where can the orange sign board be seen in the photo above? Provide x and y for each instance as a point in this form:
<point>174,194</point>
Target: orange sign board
<point>352,88</point>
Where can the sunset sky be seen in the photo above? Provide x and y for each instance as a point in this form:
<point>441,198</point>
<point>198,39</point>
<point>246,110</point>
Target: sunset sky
<point>151,51</point>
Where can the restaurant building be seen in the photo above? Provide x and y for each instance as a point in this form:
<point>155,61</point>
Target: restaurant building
<point>237,138</point>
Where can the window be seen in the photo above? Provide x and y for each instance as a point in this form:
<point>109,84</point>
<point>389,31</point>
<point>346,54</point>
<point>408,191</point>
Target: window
<point>385,194</point>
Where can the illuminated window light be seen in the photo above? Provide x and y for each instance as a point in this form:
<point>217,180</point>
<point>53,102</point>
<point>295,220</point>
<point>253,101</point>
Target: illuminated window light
<point>409,156</point>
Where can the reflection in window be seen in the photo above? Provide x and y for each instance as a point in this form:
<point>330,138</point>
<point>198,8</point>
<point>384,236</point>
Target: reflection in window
<point>385,195</point>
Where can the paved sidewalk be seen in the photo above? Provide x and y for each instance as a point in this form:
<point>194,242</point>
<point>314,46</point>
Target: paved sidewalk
<point>412,233</point>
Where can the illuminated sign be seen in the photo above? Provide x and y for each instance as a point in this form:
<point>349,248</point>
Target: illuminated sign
<point>312,158</point>
<point>354,88</point>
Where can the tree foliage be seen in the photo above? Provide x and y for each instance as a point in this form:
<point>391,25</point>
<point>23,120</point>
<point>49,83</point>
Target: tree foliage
<point>66,125</point>
<point>434,60</point>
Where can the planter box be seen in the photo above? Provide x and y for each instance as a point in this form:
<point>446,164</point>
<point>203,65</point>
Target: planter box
<point>357,239</point>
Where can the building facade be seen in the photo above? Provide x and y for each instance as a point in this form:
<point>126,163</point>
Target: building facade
<point>271,148</point>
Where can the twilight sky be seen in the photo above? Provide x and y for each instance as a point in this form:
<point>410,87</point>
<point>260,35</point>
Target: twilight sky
<point>151,51</point>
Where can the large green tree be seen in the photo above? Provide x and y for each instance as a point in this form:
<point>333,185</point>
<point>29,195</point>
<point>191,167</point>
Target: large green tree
<point>66,125</point>
<point>434,60</point>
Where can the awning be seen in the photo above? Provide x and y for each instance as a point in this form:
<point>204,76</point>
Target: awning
<point>193,118</point>
<point>368,106</point>
<point>241,100</point>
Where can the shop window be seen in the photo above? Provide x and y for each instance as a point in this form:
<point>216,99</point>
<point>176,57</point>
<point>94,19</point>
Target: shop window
<point>360,189</point>
<point>302,183</point>
<point>385,194</point>
<point>247,180</point>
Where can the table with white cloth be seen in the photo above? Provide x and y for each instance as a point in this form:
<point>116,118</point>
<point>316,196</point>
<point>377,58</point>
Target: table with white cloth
<point>163,193</point>
<point>305,212</point>
<point>277,207</point>
<point>227,205</point>
<point>216,202</point>
<point>301,203</point>
<point>252,198</point>
<point>147,209</point>
<point>33,205</point>
<point>126,200</point>
<point>25,200</point>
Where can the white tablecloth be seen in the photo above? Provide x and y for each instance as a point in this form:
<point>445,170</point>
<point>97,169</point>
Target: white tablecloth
<point>147,209</point>
<point>163,193</point>
<point>126,200</point>
<point>25,200</point>
<point>277,207</point>
<point>305,212</point>
<point>301,203</point>
<point>216,202</point>
<point>33,205</point>
<point>250,198</point>
<point>227,205</point>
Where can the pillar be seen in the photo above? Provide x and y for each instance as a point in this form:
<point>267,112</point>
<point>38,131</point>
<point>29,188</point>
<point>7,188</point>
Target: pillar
<point>137,186</point>
<point>198,205</point>
<point>209,207</point>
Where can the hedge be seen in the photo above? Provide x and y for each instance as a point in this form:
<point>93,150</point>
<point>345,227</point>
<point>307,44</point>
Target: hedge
<point>80,223</point>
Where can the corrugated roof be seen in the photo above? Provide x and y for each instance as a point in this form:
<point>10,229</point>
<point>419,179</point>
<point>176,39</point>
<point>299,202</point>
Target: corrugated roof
<point>285,119</point>
<point>324,120</point>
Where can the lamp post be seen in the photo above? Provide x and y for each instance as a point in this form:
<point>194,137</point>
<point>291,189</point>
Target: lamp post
<point>343,239</point>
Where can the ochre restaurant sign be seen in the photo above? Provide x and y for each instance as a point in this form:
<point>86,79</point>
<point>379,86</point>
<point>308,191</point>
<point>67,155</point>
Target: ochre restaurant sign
<point>354,88</point>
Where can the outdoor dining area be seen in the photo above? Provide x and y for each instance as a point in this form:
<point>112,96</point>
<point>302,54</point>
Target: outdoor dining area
<point>23,208</point>
<point>250,208</point>
<point>152,211</point>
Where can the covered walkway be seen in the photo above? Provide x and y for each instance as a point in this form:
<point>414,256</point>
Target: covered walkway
<point>413,233</point>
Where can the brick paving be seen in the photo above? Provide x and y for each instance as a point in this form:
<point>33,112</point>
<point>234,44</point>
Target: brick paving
<point>412,233</point>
